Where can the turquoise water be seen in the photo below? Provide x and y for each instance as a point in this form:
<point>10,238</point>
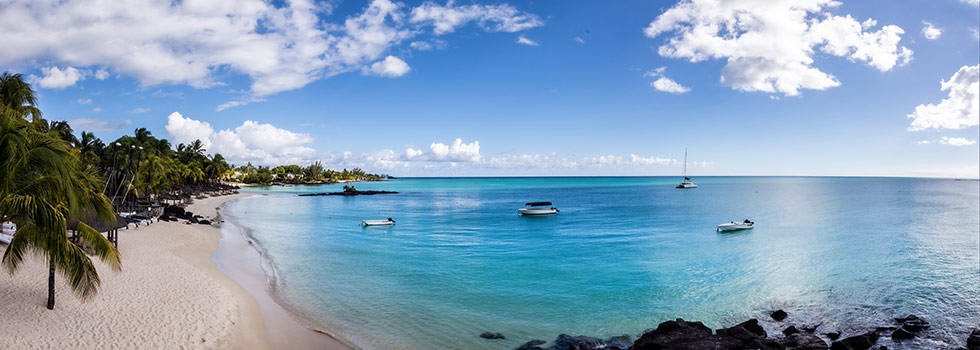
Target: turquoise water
<point>623,255</point>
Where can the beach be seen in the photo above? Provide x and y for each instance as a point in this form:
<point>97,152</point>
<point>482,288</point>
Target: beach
<point>170,294</point>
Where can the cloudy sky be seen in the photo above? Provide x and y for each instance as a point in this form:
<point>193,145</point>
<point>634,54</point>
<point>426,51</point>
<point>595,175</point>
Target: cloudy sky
<point>464,88</point>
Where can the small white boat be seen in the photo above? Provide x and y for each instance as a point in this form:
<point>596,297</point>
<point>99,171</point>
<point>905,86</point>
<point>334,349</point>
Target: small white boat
<point>735,226</point>
<point>385,222</point>
<point>687,183</point>
<point>538,208</point>
<point>7,232</point>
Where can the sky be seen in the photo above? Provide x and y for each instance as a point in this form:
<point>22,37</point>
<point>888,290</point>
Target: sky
<point>474,88</point>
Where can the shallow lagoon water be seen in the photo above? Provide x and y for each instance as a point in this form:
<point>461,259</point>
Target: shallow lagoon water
<point>624,254</point>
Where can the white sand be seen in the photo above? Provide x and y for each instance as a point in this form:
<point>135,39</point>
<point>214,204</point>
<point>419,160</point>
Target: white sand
<point>169,295</point>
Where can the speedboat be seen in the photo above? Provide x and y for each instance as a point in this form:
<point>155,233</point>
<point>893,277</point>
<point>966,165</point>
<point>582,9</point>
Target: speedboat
<point>538,208</point>
<point>7,232</point>
<point>385,222</point>
<point>735,226</point>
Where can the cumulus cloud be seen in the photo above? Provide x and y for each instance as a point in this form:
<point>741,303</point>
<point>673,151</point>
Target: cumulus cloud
<point>930,32</point>
<point>972,2</point>
<point>96,110</point>
<point>391,66</point>
<point>139,110</point>
<point>666,85</point>
<point>279,46</point>
<point>84,101</point>
<point>88,124</point>
<point>769,46</point>
<point>956,141</point>
<point>579,40</point>
<point>58,78</point>
<point>251,142</point>
<point>428,45</point>
<point>456,152</point>
<point>525,41</point>
<point>958,110</point>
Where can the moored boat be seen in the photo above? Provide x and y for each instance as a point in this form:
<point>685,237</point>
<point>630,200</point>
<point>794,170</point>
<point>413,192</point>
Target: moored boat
<point>385,222</point>
<point>735,226</point>
<point>538,208</point>
<point>687,183</point>
<point>7,232</point>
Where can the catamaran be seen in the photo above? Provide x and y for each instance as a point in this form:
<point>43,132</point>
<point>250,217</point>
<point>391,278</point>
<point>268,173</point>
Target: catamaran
<point>687,183</point>
<point>538,208</point>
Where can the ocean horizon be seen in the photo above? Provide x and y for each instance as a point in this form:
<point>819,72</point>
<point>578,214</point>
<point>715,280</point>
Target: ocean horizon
<point>623,255</point>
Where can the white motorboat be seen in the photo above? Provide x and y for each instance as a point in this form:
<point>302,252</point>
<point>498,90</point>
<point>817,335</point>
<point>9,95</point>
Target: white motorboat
<point>735,226</point>
<point>385,222</point>
<point>538,208</point>
<point>7,231</point>
<point>687,183</point>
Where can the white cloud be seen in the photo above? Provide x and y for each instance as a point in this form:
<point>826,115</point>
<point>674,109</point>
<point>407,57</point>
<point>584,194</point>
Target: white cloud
<point>959,110</point>
<point>930,32</point>
<point>391,66</point>
<point>251,142</point>
<point>57,78</point>
<point>97,110</point>
<point>972,2</point>
<point>579,40</point>
<point>525,41</point>
<point>95,125</point>
<point>101,74</point>
<point>769,45</point>
<point>956,141</point>
<point>976,33</point>
<point>85,101</point>
<point>279,46</point>
<point>428,45</point>
<point>666,85</point>
<point>497,18</point>
<point>139,110</point>
<point>411,153</point>
<point>923,142</point>
<point>456,152</point>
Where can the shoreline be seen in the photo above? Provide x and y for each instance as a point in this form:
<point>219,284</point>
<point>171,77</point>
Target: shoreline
<point>238,258</point>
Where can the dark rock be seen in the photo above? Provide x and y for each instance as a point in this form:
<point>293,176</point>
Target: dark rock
<point>804,341</point>
<point>531,345</point>
<point>884,328</point>
<point>193,220</point>
<point>204,222</point>
<point>914,326</point>
<point>672,332</point>
<point>790,330</point>
<point>902,334</point>
<point>567,342</point>
<point>809,329</point>
<point>488,335</point>
<point>857,342</point>
<point>973,341</point>
<point>620,342</point>
<point>778,315</point>
<point>910,317</point>
<point>833,335</point>
<point>745,330</point>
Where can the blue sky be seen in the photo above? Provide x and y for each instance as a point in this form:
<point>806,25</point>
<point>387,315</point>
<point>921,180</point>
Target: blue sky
<point>805,87</point>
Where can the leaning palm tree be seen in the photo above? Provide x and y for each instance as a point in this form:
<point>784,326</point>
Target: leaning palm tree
<point>42,187</point>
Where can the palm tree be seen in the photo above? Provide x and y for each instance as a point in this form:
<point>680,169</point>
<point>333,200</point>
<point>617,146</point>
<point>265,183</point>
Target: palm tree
<point>42,187</point>
<point>89,147</point>
<point>18,96</point>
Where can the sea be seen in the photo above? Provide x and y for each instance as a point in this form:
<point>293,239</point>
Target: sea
<point>624,254</point>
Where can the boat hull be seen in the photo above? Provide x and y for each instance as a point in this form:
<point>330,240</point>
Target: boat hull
<point>537,211</point>
<point>734,227</point>
<point>377,222</point>
<point>687,185</point>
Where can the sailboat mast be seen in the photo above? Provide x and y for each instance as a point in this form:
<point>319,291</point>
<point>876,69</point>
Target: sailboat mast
<point>685,162</point>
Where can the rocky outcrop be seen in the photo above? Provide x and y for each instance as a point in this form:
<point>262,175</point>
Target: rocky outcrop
<point>491,335</point>
<point>857,342</point>
<point>778,315</point>
<point>973,341</point>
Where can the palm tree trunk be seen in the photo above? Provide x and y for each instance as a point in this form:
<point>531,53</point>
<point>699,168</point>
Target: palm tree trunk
<point>51,283</point>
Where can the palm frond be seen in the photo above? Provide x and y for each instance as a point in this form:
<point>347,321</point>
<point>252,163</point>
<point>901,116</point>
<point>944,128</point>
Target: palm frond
<point>100,246</point>
<point>25,240</point>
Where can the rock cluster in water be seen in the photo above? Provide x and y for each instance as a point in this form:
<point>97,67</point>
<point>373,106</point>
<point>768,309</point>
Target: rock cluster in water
<point>684,335</point>
<point>174,213</point>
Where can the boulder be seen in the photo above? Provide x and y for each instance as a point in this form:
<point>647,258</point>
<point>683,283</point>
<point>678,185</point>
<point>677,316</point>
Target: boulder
<point>677,331</point>
<point>193,220</point>
<point>778,315</point>
<point>744,331</point>
<point>857,342</point>
<point>901,333</point>
<point>204,222</point>
<point>973,341</point>
<point>619,342</point>
<point>810,329</point>
<point>581,342</point>
<point>832,335</point>
<point>489,335</point>
<point>531,345</point>
<point>804,341</point>
<point>790,330</point>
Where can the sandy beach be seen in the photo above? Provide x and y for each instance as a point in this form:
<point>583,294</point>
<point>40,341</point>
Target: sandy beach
<point>170,295</point>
